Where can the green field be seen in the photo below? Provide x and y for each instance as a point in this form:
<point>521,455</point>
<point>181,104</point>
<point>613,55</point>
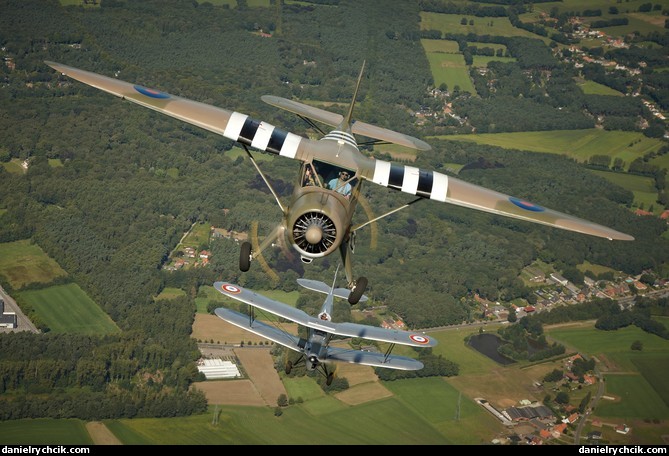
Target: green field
<point>22,263</point>
<point>450,23</point>
<point>44,432</point>
<point>645,193</point>
<point>595,88</point>
<point>170,293</point>
<point>450,69</point>
<point>67,309</point>
<point>577,144</point>
<point>637,377</point>
<point>638,22</point>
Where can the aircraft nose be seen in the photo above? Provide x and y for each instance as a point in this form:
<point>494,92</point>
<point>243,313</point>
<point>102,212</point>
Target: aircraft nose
<point>314,234</point>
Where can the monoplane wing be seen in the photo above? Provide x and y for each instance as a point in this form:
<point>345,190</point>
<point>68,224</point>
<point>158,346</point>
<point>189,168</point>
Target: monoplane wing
<point>233,125</point>
<point>357,127</point>
<point>441,187</point>
<point>258,327</point>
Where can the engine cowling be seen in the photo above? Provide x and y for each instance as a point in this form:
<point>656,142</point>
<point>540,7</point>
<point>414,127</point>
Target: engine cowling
<point>316,224</point>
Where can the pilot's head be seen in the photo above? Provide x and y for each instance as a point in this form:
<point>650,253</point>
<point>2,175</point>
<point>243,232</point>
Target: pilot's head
<point>343,175</point>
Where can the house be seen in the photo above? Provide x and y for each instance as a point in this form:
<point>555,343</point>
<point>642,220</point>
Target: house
<point>595,435</point>
<point>622,429</point>
<point>557,278</point>
<point>571,418</point>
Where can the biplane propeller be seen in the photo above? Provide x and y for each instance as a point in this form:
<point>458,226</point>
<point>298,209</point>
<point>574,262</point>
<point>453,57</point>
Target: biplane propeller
<point>318,220</point>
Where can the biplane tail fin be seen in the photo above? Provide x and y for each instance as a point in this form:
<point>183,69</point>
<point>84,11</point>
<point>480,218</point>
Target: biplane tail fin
<point>324,288</point>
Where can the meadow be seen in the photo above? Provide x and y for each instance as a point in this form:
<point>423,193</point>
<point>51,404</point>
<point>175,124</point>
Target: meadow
<point>579,145</point>
<point>645,193</point>
<point>22,263</point>
<point>451,23</point>
<point>68,309</point>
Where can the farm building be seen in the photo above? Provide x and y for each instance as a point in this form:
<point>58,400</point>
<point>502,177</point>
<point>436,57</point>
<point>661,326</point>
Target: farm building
<point>7,319</point>
<point>218,369</point>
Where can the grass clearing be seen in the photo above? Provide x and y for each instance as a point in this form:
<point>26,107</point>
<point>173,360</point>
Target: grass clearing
<point>643,188</point>
<point>452,23</point>
<point>44,432</point>
<point>68,309</point>
<point>22,263</point>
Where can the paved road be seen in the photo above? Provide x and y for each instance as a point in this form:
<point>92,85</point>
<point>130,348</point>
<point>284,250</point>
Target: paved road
<point>23,323</point>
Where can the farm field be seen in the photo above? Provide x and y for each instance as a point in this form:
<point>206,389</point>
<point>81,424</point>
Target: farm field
<point>68,309</point>
<point>577,144</point>
<point>451,23</point>
<point>645,193</point>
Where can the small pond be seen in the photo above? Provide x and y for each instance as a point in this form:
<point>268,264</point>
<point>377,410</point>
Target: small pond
<point>487,344</point>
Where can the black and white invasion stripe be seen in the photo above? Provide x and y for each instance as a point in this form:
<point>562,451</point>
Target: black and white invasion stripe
<point>338,135</point>
<point>426,184</point>
<point>261,135</point>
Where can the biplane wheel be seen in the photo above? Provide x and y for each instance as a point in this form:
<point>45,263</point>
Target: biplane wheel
<point>329,378</point>
<point>289,367</point>
<point>245,257</point>
<point>358,290</point>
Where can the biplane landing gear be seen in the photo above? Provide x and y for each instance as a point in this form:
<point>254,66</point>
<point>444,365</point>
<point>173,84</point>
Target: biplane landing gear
<point>245,257</point>
<point>289,367</point>
<point>357,290</point>
<point>329,378</point>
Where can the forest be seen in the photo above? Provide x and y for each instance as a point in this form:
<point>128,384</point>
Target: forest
<point>130,182</point>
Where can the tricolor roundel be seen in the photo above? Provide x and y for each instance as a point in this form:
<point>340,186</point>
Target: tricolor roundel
<point>419,339</point>
<point>231,289</point>
<point>526,205</point>
<point>151,92</point>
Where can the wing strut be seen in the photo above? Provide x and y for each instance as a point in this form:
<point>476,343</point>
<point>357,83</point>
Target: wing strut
<point>357,227</point>
<point>388,352</point>
<point>271,189</point>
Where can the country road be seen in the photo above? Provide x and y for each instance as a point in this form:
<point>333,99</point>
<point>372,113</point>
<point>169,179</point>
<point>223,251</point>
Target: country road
<point>23,323</point>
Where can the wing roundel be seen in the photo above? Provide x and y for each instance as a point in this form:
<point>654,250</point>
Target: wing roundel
<point>440,187</point>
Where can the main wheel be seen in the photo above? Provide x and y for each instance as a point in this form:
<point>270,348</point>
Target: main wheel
<point>289,367</point>
<point>358,290</point>
<point>245,257</point>
<point>330,377</point>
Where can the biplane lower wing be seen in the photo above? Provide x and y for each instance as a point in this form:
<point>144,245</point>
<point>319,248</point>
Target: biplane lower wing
<point>334,354</point>
<point>258,327</point>
<point>374,359</point>
<point>392,336</point>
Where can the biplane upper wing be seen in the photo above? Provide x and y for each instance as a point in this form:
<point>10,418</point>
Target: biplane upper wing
<point>357,127</point>
<point>333,353</point>
<point>258,327</point>
<point>263,303</point>
<point>393,336</point>
<point>233,125</point>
